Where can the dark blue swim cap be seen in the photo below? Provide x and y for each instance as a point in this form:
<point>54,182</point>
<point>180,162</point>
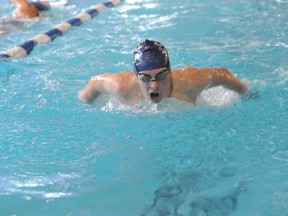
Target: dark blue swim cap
<point>40,6</point>
<point>150,55</point>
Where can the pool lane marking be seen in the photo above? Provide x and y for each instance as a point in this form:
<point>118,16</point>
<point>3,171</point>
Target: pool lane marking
<point>25,48</point>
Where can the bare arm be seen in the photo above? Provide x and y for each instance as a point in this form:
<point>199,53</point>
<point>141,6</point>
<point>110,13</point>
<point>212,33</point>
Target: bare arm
<point>222,76</point>
<point>188,83</point>
<point>121,85</point>
<point>97,85</point>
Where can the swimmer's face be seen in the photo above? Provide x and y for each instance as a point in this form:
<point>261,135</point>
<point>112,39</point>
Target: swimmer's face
<point>155,84</point>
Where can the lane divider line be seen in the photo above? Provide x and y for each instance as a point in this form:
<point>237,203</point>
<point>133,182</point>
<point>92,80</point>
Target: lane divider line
<point>26,48</point>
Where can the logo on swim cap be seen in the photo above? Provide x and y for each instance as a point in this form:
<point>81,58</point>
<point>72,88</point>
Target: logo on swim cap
<point>150,55</point>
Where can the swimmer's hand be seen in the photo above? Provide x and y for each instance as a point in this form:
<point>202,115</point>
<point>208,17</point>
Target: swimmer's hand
<point>86,97</point>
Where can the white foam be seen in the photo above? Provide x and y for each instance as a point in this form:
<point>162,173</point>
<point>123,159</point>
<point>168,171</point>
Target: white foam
<point>217,97</point>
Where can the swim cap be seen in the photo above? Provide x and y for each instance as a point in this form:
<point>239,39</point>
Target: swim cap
<point>41,6</point>
<point>150,55</point>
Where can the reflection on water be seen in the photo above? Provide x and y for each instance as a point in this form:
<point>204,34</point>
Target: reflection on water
<point>9,24</point>
<point>193,196</point>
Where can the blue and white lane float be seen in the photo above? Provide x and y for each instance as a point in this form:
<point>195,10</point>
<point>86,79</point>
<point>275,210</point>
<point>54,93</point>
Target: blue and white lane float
<point>25,48</point>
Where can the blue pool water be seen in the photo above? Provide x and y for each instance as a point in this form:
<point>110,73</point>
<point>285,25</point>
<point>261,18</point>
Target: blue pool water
<point>62,157</point>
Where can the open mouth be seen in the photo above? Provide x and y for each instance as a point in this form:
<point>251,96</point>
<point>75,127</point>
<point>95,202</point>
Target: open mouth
<point>154,96</point>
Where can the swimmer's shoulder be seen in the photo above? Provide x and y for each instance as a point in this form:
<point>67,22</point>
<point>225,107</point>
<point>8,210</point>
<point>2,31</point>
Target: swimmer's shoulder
<point>126,73</point>
<point>118,77</point>
<point>191,72</point>
<point>121,81</point>
<point>122,77</point>
<point>114,75</point>
<point>184,73</point>
<point>184,70</point>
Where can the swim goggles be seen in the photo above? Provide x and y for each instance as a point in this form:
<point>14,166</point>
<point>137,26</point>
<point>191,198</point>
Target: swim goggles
<point>159,76</point>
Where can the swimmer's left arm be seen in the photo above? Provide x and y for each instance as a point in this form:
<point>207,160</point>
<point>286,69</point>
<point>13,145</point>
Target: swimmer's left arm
<point>225,78</point>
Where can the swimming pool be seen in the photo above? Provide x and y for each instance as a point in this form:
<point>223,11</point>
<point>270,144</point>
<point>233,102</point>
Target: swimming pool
<point>63,157</point>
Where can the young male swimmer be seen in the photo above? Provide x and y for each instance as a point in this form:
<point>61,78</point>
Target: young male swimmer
<point>153,79</point>
<point>24,9</point>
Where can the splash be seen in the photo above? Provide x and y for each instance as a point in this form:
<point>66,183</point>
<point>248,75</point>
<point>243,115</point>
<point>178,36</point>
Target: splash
<point>217,97</point>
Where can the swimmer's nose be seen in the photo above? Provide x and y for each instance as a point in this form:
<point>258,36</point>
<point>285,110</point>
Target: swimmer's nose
<point>154,84</point>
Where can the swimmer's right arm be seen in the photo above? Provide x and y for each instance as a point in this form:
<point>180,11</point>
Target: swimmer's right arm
<point>94,88</point>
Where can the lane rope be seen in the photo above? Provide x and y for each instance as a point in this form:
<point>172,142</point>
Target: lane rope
<point>25,48</point>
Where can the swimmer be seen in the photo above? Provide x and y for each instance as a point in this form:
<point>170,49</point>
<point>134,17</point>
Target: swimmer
<point>153,79</point>
<point>24,9</point>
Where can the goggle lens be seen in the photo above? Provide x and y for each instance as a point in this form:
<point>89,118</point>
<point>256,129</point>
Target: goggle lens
<point>159,77</point>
